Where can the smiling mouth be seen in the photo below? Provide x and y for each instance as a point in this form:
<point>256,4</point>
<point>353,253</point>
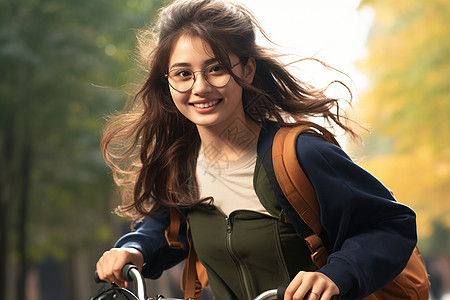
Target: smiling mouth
<point>206,105</point>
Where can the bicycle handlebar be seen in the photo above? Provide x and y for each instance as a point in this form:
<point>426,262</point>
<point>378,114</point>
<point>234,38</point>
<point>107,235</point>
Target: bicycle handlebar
<point>131,274</point>
<point>271,294</point>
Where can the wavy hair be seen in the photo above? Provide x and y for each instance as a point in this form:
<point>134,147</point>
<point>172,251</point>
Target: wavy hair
<point>152,148</point>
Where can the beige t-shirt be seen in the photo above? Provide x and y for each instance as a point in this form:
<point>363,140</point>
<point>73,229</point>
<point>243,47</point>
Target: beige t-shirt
<point>229,183</point>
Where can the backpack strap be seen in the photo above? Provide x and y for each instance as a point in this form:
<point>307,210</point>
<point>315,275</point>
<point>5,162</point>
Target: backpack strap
<point>173,229</point>
<point>194,274</point>
<point>296,186</point>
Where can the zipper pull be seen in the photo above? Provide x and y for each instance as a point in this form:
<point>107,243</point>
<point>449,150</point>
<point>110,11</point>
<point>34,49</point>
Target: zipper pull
<point>228,222</point>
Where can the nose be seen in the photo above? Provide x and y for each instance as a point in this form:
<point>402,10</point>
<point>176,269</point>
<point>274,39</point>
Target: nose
<point>200,84</point>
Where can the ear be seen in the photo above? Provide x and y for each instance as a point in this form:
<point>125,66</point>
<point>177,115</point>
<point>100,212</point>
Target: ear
<point>249,70</point>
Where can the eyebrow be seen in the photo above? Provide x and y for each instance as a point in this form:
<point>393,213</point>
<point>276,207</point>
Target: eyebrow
<point>181,64</point>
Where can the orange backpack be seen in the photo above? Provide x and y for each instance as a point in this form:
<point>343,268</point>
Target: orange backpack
<point>411,284</point>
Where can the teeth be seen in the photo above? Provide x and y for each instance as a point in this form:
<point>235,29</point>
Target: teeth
<point>206,105</point>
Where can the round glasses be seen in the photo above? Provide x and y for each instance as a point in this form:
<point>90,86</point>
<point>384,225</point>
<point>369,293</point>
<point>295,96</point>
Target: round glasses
<point>182,79</point>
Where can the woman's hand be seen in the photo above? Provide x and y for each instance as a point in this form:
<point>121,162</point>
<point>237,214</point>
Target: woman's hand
<point>312,285</point>
<point>109,266</point>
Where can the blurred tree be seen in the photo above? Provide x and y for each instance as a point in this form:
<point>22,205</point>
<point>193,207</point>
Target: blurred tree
<point>54,186</point>
<point>408,106</point>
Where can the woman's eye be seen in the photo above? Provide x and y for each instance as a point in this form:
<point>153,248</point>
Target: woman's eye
<point>183,73</point>
<point>215,69</point>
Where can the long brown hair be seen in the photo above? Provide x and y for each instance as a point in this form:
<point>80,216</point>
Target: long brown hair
<point>152,148</point>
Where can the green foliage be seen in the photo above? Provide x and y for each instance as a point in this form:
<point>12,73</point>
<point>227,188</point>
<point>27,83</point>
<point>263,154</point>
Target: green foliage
<point>54,58</point>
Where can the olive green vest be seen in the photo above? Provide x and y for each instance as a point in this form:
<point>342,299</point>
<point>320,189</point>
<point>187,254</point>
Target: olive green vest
<point>248,252</point>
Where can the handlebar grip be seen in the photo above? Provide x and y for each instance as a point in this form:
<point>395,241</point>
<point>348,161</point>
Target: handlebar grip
<point>281,290</point>
<point>126,272</point>
<point>96,278</point>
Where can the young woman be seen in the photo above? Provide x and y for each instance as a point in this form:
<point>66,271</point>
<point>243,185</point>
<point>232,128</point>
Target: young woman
<point>189,139</point>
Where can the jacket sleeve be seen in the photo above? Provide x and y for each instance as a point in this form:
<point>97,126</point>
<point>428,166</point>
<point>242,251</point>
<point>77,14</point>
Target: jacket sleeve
<point>369,235</point>
<point>149,238</point>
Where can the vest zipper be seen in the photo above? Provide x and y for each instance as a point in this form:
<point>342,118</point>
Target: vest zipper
<point>238,262</point>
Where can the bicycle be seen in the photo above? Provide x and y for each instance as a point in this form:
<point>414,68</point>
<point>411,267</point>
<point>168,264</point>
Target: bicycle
<point>132,274</point>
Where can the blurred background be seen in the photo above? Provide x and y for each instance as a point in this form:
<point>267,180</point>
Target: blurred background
<point>65,65</point>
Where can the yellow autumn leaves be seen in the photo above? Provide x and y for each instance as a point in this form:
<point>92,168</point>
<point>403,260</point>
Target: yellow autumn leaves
<point>407,105</point>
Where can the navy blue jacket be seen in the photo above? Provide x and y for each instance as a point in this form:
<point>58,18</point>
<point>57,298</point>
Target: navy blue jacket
<point>368,234</point>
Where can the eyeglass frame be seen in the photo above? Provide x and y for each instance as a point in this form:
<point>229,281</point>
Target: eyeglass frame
<point>195,78</point>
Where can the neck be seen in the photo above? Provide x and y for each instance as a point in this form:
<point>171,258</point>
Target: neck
<point>230,142</point>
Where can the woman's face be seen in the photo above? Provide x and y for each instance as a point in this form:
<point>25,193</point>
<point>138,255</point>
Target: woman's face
<point>204,104</point>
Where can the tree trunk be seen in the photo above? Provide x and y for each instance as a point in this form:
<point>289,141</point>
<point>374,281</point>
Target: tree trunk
<point>23,214</point>
<point>4,240</point>
<point>6,196</point>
